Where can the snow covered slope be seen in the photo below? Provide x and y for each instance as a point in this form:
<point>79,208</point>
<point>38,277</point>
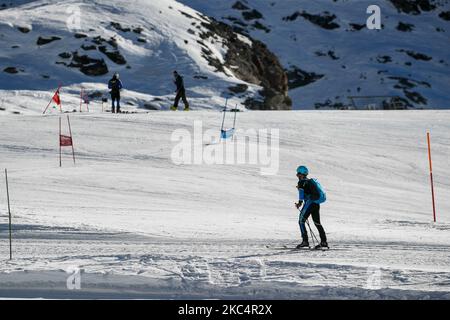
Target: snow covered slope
<point>81,43</point>
<point>141,226</point>
<point>330,54</point>
<point>324,46</point>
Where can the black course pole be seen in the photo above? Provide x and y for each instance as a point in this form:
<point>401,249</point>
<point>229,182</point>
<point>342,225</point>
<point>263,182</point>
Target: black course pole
<point>9,212</point>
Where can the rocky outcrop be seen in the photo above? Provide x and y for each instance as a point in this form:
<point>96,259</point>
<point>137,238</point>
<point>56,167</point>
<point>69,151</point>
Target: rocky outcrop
<point>11,70</point>
<point>88,66</point>
<point>414,7</point>
<point>43,41</point>
<point>24,29</point>
<point>405,27</point>
<point>300,78</point>
<point>445,15</point>
<point>252,63</point>
<point>325,20</point>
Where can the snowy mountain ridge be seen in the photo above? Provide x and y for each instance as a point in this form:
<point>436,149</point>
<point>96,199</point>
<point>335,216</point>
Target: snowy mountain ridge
<point>320,51</point>
<point>144,41</point>
<point>329,53</point>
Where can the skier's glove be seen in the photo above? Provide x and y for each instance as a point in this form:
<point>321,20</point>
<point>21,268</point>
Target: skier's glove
<point>299,204</point>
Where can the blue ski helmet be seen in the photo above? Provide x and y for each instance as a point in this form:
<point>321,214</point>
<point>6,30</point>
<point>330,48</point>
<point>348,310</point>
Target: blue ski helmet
<point>303,170</point>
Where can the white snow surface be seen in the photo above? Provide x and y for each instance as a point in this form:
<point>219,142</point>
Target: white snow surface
<point>140,226</point>
<point>172,30</point>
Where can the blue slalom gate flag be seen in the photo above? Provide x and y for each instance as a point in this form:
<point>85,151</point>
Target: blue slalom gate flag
<point>226,134</point>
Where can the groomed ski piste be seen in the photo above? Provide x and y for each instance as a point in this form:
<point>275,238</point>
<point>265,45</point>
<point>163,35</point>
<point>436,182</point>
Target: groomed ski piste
<point>138,225</point>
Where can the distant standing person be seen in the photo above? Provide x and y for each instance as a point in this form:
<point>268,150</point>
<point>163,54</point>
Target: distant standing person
<point>181,92</point>
<point>115,85</point>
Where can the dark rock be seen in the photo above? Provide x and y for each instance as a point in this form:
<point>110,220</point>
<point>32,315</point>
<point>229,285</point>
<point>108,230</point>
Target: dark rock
<point>45,76</point>
<point>42,41</point>
<point>138,30</point>
<point>119,27</point>
<point>405,27</point>
<point>414,7</point>
<point>200,77</point>
<point>357,27</point>
<point>89,66</point>
<point>260,26</point>
<point>98,68</point>
<point>252,15</point>
<point>324,21</point>
<point>405,83</point>
<point>300,78</point>
<point>240,6</point>
<point>142,40</point>
<point>65,55</point>
<point>24,29</point>
<point>445,15</point>
<point>187,15</point>
<point>15,47</point>
<point>98,40</point>
<point>416,97</point>
<point>88,48</point>
<point>418,56</point>
<point>239,88</point>
<point>80,35</point>
<point>331,105</point>
<point>150,106</point>
<point>384,59</point>
<point>332,55</point>
<point>254,64</point>
<point>115,56</point>
<point>113,43</point>
<point>11,70</point>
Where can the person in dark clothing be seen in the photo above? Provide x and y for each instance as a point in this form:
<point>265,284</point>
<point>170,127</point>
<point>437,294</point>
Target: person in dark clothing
<point>115,85</point>
<point>311,195</point>
<point>181,92</point>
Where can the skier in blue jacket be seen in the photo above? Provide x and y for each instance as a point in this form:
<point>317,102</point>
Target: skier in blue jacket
<point>311,195</point>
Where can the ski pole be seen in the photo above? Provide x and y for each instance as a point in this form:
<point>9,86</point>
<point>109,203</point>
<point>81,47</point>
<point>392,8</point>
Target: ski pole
<point>312,233</point>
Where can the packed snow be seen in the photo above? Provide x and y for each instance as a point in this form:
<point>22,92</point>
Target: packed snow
<point>139,226</point>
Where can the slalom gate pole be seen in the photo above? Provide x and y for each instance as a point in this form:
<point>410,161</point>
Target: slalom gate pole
<point>59,142</point>
<point>70,132</point>
<point>431,176</point>
<point>51,100</point>
<point>9,213</point>
<point>81,98</point>
<point>235,115</point>
<point>60,102</point>
<point>223,120</point>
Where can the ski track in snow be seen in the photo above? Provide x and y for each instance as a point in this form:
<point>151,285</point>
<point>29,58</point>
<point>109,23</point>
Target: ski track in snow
<point>141,227</point>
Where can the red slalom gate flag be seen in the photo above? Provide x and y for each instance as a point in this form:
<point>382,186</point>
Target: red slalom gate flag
<point>56,98</point>
<point>65,141</point>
